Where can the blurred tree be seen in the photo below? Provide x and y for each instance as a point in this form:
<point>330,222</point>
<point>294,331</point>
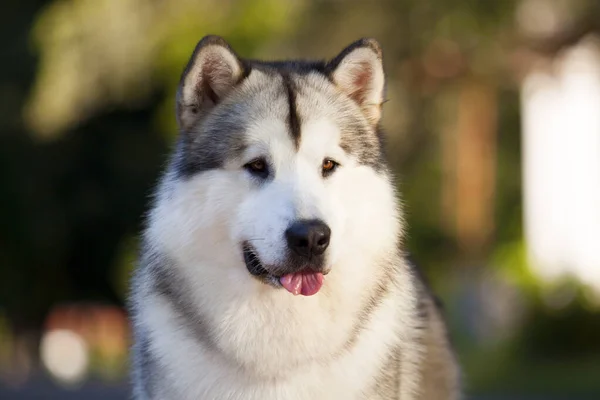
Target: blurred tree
<point>109,53</point>
<point>16,158</point>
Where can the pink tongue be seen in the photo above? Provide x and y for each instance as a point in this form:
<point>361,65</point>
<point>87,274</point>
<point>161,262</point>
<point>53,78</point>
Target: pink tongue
<point>304,283</point>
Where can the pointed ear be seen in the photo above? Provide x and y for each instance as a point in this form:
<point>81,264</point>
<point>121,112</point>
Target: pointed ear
<point>358,72</point>
<point>212,72</point>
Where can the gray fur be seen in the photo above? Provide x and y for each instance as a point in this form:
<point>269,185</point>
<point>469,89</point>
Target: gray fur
<point>163,281</point>
<point>387,384</point>
<point>384,287</point>
<point>147,368</point>
<point>219,137</point>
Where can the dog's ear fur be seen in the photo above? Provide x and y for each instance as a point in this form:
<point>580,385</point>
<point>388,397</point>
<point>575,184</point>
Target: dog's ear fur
<point>212,72</point>
<point>358,72</point>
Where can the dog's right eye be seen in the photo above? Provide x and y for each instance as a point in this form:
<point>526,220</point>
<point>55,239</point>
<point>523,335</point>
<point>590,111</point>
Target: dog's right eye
<point>258,167</point>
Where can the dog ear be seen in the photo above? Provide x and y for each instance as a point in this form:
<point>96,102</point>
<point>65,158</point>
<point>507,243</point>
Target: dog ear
<point>212,72</point>
<point>358,72</point>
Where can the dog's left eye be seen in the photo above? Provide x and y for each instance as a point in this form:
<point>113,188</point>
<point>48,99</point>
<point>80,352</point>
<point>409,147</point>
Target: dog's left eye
<point>328,167</point>
<point>258,167</point>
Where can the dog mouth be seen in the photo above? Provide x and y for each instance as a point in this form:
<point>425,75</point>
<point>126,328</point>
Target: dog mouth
<point>304,282</point>
<point>253,263</point>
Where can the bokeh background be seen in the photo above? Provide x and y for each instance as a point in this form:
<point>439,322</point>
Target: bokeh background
<point>493,122</point>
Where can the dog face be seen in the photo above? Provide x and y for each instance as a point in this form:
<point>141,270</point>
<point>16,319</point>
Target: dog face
<point>279,175</point>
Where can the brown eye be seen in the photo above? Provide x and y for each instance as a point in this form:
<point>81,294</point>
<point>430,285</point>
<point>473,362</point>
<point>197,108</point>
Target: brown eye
<point>258,167</point>
<point>328,166</point>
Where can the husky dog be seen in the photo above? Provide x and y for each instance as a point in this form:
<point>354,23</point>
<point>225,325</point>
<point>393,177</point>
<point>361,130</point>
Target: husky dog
<point>271,266</point>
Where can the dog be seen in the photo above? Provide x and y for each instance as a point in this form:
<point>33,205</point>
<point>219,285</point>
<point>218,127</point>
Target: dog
<point>271,264</point>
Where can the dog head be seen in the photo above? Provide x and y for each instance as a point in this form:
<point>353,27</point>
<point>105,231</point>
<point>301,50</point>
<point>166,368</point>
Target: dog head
<point>279,175</point>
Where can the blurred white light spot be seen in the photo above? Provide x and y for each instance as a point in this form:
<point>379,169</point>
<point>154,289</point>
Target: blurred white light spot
<point>561,147</point>
<point>538,18</point>
<point>65,355</point>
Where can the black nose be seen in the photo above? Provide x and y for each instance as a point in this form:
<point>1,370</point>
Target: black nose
<point>308,238</point>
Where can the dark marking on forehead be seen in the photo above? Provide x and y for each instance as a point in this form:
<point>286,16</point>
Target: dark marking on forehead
<point>293,119</point>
